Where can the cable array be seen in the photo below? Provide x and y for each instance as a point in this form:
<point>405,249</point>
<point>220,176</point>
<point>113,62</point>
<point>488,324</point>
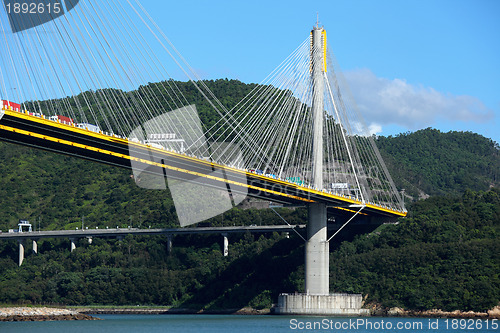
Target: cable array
<point>93,66</point>
<point>275,131</point>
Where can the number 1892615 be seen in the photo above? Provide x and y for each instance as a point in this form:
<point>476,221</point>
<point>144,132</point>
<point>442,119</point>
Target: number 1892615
<point>471,324</point>
<point>33,8</point>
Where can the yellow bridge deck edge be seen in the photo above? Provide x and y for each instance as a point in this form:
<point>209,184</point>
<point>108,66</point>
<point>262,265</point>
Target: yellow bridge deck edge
<point>126,141</point>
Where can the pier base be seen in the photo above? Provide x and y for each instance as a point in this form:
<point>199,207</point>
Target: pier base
<point>321,305</point>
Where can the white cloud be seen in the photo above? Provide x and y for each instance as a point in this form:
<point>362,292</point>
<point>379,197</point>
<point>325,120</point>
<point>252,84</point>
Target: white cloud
<point>383,101</point>
<point>371,129</point>
<point>374,128</point>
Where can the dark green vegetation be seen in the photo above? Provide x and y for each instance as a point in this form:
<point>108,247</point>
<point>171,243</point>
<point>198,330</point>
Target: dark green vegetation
<point>444,255</point>
<point>429,162</point>
<point>447,256</point>
<point>138,270</point>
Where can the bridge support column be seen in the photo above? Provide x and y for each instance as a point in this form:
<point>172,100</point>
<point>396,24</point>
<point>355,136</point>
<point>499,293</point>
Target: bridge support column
<point>169,244</point>
<point>73,244</point>
<point>21,252</point>
<point>317,300</point>
<point>35,247</point>
<point>226,245</point>
<point>317,252</point>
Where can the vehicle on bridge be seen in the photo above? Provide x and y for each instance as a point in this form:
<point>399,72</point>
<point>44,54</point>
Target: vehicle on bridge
<point>340,186</point>
<point>90,127</point>
<point>295,180</point>
<point>62,119</point>
<point>57,118</point>
<point>5,104</point>
<point>257,171</point>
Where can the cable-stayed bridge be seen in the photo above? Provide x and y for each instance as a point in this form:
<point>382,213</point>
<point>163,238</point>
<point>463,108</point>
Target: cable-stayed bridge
<point>40,132</point>
<point>76,82</point>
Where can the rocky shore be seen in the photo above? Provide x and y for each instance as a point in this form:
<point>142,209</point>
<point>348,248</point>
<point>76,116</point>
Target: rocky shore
<point>436,313</point>
<point>374,311</point>
<point>98,311</point>
<point>47,314</point>
<point>41,314</point>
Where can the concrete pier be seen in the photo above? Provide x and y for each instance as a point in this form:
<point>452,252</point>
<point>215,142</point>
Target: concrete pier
<point>317,252</point>
<point>35,247</point>
<point>226,245</point>
<point>321,305</point>
<point>21,252</point>
<point>169,244</point>
<point>73,244</point>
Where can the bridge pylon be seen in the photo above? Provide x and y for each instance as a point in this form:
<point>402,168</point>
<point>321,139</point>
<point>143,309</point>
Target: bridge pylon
<point>317,299</point>
<point>317,247</point>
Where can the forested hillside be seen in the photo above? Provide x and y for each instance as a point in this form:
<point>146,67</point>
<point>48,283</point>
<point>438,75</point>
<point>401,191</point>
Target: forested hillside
<point>56,192</point>
<point>445,254</point>
<point>429,162</point>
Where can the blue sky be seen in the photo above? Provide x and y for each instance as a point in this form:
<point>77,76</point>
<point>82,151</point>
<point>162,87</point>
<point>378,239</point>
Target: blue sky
<point>410,64</point>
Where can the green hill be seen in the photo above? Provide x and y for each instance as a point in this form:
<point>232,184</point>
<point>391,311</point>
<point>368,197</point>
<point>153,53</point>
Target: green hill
<point>429,162</point>
<point>445,254</point>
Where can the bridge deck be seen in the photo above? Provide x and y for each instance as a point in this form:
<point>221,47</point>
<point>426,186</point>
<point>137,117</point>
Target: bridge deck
<point>25,129</point>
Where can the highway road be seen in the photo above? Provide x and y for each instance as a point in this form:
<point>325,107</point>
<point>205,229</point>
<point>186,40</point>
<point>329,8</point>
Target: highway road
<point>79,233</point>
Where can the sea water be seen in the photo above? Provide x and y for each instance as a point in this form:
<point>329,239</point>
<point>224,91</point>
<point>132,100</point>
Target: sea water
<point>251,324</point>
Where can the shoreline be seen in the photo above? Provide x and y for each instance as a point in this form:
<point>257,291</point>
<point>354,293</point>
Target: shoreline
<point>437,313</point>
<point>393,312</point>
<point>41,314</point>
<point>86,313</point>
<point>166,311</point>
